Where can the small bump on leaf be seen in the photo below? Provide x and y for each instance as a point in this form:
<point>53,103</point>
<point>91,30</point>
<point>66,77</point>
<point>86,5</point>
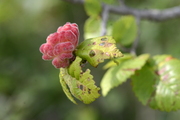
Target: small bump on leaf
<point>102,44</point>
<point>92,53</point>
<point>104,39</point>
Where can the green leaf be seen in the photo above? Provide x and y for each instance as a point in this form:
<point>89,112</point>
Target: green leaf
<point>81,84</point>
<point>64,86</point>
<point>110,1</point>
<point>144,84</point>
<point>75,69</point>
<point>158,83</point>
<point>125,30</point>
<point>118,74</point>
<point>92,27</point>
<point>92,7</point>
<point>118,61</point>
<point>167,94</point>
<point>95,50</point>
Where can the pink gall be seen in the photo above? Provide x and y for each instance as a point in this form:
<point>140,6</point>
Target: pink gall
<point>60,45</point>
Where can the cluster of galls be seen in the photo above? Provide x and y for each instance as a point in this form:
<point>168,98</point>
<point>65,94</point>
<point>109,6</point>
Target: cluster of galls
<point>60,45</point>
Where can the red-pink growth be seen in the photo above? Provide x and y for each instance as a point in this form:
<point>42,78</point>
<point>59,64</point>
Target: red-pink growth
<point>60,45</point>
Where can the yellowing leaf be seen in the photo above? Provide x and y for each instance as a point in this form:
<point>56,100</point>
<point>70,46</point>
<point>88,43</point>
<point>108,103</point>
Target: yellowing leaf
<point>64,86</point>
<point>95,50</point>
<point>81,84</point>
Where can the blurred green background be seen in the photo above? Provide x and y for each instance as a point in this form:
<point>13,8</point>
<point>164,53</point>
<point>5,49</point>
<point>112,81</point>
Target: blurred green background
<point>29,86</point>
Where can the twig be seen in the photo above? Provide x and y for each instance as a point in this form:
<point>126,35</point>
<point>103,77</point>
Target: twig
<point>75,1</point>
<point>151,14</point>
<point>121,2</point>
<point>148,14</point>
<point>136,41</point>
<point>105,15</point>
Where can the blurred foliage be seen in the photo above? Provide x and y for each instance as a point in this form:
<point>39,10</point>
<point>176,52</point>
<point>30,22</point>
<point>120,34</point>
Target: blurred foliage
<point>92,7</point>
<point>92,27</point>
<point>30,88</point>
<point>125,30</point>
